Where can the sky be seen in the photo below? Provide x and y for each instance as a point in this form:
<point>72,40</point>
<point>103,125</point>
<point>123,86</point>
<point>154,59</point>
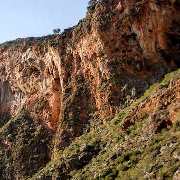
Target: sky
<point>32,18</point>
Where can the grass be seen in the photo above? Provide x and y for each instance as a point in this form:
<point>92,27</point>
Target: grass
<point>169,77</point>
<point>123,154</point>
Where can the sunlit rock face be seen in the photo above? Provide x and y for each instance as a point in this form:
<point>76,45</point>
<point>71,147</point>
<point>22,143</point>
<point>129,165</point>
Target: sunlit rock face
<point>24,82</point>
<point>93,69</point>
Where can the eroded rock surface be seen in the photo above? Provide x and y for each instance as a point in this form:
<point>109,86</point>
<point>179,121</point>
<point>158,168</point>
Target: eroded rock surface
<point>93,70</point>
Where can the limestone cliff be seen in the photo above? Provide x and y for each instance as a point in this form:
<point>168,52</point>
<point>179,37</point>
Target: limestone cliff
<point>88,73</point>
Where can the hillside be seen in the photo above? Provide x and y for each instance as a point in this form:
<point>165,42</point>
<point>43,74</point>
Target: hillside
<point>99,101</point>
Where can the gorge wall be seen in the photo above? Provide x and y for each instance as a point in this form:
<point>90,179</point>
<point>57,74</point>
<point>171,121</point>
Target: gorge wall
<point>93,69</point>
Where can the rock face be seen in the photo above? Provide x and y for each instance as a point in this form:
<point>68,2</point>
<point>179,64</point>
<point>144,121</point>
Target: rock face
<point>93,70</point>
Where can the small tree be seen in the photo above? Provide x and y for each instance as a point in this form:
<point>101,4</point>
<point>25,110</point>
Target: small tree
<point>57,31</point>
<point>92,4</point>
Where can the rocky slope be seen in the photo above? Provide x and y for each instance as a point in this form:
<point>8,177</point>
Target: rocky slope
<point>57,88</point>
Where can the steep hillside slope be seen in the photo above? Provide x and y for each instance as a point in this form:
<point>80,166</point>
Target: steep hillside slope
<point>141,142</point>
<point>57,88</point>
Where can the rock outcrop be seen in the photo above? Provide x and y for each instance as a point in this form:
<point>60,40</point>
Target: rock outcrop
<point>93,70</point>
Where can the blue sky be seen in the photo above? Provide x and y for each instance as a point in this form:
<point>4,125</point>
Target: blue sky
<point>23,18</point>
